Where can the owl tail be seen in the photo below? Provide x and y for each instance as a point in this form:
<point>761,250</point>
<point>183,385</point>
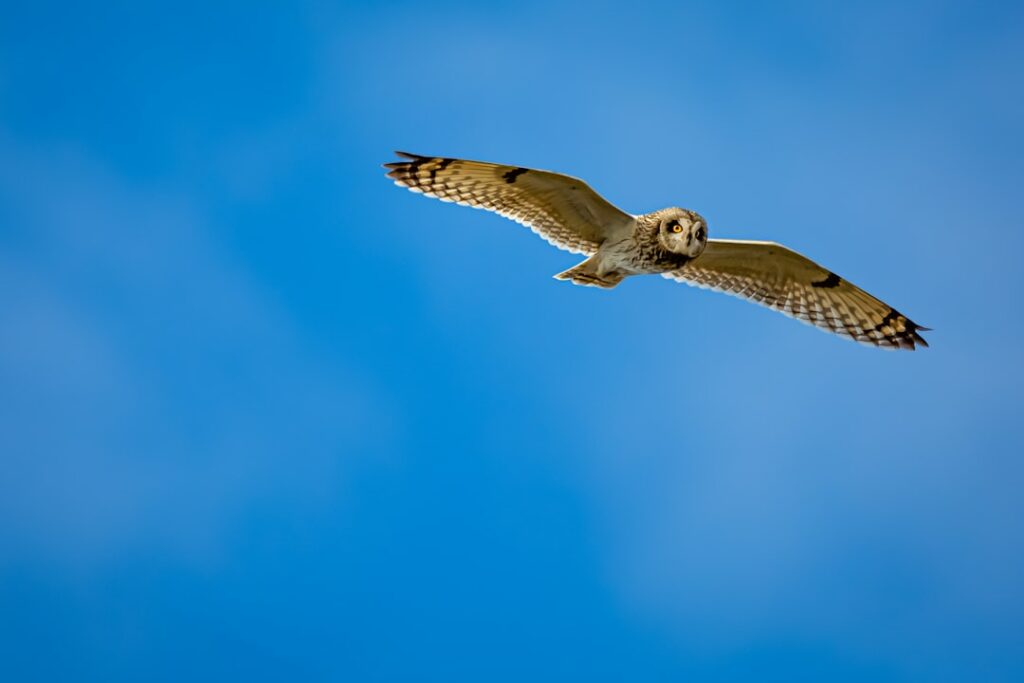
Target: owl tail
<point>587,274</point>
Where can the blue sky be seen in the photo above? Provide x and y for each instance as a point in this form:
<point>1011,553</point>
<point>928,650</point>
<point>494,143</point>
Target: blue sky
<point>267,416</point>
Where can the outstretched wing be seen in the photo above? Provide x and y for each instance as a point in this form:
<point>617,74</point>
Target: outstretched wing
<point>561,209</point>
<point>771,275</point>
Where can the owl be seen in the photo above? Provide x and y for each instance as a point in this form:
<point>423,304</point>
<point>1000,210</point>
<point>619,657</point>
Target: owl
<point>671,242</point>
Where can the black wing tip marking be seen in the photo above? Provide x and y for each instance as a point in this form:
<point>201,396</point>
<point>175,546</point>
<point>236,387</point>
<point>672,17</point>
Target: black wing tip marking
<point>407,172</point>
<point>410,155</point>
<point>914,329</point>
<point>404,172</point>
<point>410,161</point>
<point>910,337</point>
<point>908,340</point>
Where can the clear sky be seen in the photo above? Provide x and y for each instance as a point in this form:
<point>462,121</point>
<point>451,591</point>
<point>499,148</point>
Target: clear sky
<point>265,416</point>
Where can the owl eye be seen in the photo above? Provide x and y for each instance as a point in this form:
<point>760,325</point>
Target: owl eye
<point>676,228</point>
<point>701,233</point>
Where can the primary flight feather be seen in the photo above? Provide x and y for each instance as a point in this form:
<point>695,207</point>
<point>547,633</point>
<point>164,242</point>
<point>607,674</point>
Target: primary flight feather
<point>672,242</point>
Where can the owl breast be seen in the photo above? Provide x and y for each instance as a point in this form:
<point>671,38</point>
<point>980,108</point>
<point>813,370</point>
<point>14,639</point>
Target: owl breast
<point>641,253</point>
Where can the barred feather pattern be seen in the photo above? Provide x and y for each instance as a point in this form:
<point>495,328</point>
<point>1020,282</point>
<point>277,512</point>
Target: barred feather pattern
<point>563,210</point>
<point>773,276</point>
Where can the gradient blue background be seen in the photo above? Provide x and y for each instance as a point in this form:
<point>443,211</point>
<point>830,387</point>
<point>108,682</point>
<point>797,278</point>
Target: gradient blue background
<point>264,416</point>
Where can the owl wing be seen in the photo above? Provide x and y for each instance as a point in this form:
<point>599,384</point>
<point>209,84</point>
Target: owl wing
<point>561,209</point>
<point>771,275</point>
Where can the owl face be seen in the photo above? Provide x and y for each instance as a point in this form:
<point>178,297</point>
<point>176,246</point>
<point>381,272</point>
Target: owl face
<point>683,232</point>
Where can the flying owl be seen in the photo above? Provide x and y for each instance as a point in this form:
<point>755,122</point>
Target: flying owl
<point>672,242</point>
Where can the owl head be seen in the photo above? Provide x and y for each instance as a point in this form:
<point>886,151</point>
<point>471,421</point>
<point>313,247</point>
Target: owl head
<point>682,232</point>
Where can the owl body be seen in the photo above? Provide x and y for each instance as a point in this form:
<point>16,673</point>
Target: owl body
<point>672,242</point>
<point>655,243</point>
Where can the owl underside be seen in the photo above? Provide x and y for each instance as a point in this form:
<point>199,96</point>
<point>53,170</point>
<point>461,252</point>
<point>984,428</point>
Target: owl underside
<point>580,274</point>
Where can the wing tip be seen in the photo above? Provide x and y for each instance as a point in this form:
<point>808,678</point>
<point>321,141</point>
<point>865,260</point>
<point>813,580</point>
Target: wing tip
<point>916,337</point>
<point>403,172</point>
<point>410,155</point>
<point>908,340</point>
<point>406,159</point>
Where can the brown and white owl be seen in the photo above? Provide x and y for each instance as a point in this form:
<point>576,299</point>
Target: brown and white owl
<point>671,242</point>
